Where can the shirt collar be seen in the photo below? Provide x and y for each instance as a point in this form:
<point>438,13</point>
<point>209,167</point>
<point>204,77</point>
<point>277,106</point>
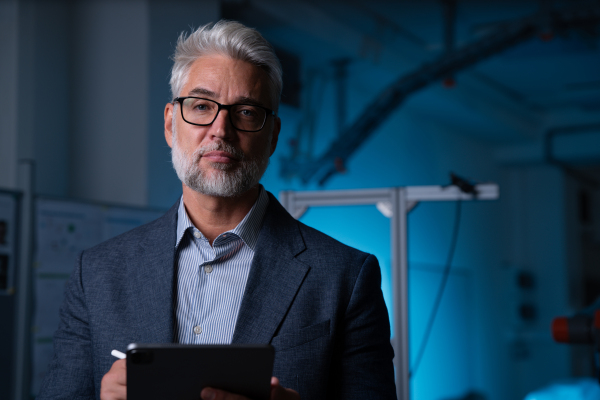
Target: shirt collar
<point>248,229</point>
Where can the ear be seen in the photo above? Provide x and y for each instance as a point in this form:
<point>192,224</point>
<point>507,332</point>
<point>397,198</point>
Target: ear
<point>169,109</point>
<point>275,134</point>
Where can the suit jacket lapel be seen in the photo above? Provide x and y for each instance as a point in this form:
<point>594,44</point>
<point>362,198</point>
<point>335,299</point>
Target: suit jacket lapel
<point>155,273</point>
<point>275,277</point>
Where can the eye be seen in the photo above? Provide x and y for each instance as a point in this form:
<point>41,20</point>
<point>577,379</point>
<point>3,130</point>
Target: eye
<point>247,112</point>
<point>199,106</point>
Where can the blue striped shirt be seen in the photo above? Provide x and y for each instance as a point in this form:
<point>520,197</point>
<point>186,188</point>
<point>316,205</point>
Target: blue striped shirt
<point>211,279</point>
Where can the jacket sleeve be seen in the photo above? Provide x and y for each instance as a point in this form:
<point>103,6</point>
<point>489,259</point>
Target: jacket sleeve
<point>367,370</point>
<point>71,374</point>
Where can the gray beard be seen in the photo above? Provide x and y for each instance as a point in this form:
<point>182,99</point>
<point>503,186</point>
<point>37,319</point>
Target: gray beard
<point>223,180</point>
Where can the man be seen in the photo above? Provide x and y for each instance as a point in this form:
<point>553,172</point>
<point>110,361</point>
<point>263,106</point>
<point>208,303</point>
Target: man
<point>227,264</point>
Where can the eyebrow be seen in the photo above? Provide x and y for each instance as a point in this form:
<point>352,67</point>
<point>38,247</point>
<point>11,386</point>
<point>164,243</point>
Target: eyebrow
<point>249,100</point>
<point>206,92</point>
<point>240,100</point>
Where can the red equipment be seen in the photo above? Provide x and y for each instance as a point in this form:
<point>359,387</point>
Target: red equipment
<point>582,328</point>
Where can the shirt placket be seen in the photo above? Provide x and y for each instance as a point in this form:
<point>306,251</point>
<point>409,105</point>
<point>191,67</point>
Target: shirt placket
<point>202,327</point>
<point>216,303</point>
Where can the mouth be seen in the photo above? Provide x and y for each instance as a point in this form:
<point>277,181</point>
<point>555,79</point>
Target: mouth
<point>217,156</point>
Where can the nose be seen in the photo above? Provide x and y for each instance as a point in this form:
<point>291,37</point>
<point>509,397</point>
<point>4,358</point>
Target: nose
<point>221,126</point>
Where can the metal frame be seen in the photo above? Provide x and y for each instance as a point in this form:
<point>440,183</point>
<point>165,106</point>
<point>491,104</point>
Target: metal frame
<point>395,203</point>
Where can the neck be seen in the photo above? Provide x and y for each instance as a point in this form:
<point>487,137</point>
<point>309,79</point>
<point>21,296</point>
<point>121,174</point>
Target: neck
<point>215,215</point>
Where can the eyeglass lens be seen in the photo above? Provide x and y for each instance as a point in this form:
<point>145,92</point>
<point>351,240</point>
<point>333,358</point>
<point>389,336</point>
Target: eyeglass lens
<point>243,117</point>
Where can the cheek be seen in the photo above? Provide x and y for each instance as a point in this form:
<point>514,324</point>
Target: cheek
<point>190,139</point>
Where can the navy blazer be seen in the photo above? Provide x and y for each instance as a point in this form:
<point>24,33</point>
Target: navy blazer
<point>317,301</point>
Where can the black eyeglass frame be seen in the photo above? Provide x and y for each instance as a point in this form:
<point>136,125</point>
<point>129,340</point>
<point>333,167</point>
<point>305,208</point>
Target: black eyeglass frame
<point>223,107</point>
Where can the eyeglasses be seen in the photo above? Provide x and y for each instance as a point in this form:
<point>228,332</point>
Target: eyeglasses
<point>203,112</point>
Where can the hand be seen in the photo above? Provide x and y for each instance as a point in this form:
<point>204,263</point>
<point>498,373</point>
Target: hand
<point>278,392</point>
<point>114,383</point>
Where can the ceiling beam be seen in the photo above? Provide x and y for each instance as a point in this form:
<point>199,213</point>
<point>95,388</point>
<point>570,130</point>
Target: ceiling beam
<point>498,40</point>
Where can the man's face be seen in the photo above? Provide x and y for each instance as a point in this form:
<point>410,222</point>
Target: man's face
<point>219,160</point>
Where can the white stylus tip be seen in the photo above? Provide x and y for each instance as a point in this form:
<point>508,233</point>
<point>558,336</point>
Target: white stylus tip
<point>118,354</point>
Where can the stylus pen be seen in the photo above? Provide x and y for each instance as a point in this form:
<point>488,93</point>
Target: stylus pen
<point>118,354</point>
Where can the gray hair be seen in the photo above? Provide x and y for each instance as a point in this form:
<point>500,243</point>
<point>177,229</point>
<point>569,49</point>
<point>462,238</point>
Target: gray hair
<point>231,39</point>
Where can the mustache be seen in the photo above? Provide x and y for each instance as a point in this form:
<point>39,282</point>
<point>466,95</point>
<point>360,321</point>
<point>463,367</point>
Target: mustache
<point>219,146</point>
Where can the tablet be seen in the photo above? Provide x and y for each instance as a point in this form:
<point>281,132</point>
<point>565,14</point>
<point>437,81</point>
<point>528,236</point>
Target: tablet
<point>176,371</point>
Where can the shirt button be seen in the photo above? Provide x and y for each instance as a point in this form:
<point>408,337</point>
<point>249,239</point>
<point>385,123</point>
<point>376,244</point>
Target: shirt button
<point>197,329</point>
<point>208,268</point>
<point>197,234</point>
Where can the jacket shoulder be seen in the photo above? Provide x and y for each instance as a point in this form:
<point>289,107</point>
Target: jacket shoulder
<point>320,242</point>
<point>307,243</point>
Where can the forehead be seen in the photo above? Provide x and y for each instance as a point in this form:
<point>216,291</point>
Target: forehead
<point>227,79</point>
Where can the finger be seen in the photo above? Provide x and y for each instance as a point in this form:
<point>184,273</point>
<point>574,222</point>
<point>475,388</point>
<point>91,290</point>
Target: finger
<point>121,370</point>
<point>113,392</point>
<point>113,384</point>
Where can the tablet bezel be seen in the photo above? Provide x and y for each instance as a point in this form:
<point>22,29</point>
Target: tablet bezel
<point>177,371</point>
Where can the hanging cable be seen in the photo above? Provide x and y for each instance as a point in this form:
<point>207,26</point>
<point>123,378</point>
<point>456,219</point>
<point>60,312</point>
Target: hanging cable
<point>440,293</point>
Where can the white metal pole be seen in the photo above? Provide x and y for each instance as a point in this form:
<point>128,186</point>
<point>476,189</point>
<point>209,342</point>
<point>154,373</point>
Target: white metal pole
<point>400,290</point>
